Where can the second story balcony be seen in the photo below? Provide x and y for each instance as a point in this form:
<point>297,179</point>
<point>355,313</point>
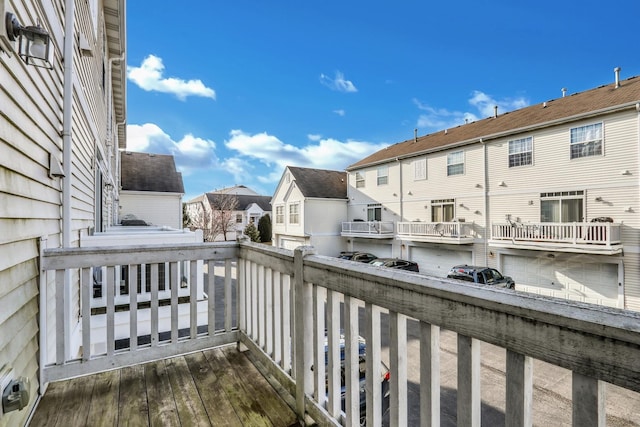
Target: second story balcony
<point>457,354</point>
<point>368,229</point>
<point>458,233</point>
<point>580,237</point>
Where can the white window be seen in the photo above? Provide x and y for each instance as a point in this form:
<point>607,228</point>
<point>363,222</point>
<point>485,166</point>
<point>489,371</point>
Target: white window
<point>586,141</point>
<point>562,206</point>
<point>359,180</point>
<point>383,175</point>
<point>420,169</point>
<point>520,152</point>
<point>294,213</point>
<point>279,214</point>
<point>239,218</point>
<point>455,163</point>
<point>442,210</point>
<point>374,212</point>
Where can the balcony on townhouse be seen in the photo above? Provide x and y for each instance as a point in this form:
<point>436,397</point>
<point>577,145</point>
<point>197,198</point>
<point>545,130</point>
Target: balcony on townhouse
<point>368,229</point>
<point>456,233</point>
<point>274,319</point>
<point>601,238</point>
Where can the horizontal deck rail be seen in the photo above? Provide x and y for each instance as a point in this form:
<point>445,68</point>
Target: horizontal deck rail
<point>593,233</point>
<point>370,228</point>
<point>290,303</point>
<point>452,232</point>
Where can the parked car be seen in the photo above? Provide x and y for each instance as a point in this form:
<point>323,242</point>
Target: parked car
<point>397,263</point>
<point>482,275</point>
<point>384,380</point>
<point>357,256</point>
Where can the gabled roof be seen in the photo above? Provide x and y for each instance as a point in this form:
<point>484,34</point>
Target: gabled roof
<point>580,105</point>
<point>150,172</point>
<point>243,202</point>
<point>236,189</point>
<point>320,183</point>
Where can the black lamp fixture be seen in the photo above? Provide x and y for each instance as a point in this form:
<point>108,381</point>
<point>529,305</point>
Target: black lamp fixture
<point>34,42</point>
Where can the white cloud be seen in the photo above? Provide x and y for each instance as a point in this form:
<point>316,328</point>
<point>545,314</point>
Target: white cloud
<point>149,77</point>
<point>324,153</point>
<point>341,113</point>
<point>441,118</point>
<point>339,83</point>
<point>190,153</point>
<point>314,137</point>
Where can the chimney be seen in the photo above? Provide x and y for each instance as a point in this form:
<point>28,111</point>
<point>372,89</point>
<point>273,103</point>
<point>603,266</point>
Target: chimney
<point>495,111</point>
<point>564,92</point>
<point>617,73</point>
<point>415,135</point>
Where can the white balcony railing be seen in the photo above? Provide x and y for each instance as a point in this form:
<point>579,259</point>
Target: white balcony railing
<point>368,229</point>
<point>450,232</point>
<point>585,235</point>
<point>281,305</point>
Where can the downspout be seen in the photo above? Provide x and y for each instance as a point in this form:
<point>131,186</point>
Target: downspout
<point>67,118</point>
<point>487,223</point>
<point>114,167</point>
<point>401,202</point>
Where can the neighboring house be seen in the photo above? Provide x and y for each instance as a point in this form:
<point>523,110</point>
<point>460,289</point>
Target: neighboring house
<point>227,212</point>
<point>308,206</point>
<point>549,194</point>
<point>151,189</point>
<point>61,129</point>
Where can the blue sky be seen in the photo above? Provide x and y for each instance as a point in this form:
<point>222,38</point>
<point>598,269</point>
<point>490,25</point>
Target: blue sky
<point>237,90</point>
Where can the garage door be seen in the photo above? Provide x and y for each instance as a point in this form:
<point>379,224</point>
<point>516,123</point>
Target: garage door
<point>290,243</point>
<point>595,283</point>
<point>379,250</point>
<point>437,262</point>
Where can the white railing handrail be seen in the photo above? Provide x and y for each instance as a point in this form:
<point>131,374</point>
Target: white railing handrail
<point>435,229</point>
<point>603,233</point>
<point>368,227</point>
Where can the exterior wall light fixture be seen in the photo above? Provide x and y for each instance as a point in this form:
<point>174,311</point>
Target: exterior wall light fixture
<point>34,42</point>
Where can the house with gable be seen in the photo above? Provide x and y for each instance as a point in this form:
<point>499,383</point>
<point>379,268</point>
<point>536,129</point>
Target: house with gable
<point>548,194</point>
<point>236,207</point>
<point>308,206</point>
<point>151,189</point>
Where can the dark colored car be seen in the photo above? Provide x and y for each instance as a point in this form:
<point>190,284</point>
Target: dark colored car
<point>397,263</point>
<point>482,275</point>
<point>384,381</point>
<point>357,256</point>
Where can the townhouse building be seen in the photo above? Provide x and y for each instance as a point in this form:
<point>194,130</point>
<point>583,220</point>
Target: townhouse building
<point>548,194</point>
<point>309,205</point>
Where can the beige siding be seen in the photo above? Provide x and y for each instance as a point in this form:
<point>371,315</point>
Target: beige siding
<point>31,201</point>
<point>157,209</point>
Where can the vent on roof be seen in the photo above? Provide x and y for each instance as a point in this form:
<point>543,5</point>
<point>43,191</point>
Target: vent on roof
<point>564,91</point>
<point>617,74</point>
<point>495,111</point>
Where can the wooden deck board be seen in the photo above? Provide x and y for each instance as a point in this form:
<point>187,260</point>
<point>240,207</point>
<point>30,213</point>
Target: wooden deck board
<point>218,387</point>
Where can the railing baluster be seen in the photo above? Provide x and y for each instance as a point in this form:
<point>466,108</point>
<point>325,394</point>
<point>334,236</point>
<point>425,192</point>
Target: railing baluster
<point>285,294</point>
<point>175,284</point>
<point>268,315</point>
<point>588,396</point>
<point>228,299</point>
<point>319,388</point>
<point>277,317</point>
<point>372,336</point>
<point>111,285</point>
<point>398,362</point>
<point>193,299</point>
<point>468,381</point>
<point>154,304</point>
<point>133,307</point>
<point>241,296</point>
<point>429,374</point>
<point>85,297</point>
<point>255,319</point>
<point>351,365</point>
<point>519,400</point>
<point>333,352</point>
<point>211,297</point>
<point>62,307</point>
<point>261,306</point>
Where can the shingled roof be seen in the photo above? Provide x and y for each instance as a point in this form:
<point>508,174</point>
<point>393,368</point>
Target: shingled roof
<point>320,183</point>
<point>596,101</point>
<point>150,172</point>
<point>243,201</point>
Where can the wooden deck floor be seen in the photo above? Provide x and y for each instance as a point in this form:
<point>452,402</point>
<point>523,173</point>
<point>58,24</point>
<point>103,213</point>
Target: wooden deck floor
<point>213,387</point>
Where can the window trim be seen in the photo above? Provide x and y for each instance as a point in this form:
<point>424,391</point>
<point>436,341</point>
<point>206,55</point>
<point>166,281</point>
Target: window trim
<point>441,203</point>
<point>360,180</point>
<point>295,214</point>
<point>280,215</point>
<point>598,143</point>
<point>450,163</point>
<point>522,153</point>
<point>375,208</point>
<point>420,169</point>
<point>382,179</point>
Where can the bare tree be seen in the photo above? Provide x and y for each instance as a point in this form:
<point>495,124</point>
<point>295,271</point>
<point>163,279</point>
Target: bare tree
<point>215,215</point>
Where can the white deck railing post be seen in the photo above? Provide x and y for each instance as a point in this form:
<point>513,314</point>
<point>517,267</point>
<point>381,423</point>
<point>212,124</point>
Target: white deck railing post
<point>398,362</point>
<point>519,399</point>
<point>302,329</point>
<point>468,381</point>
<point>588,395</point>
<point>429,375</point>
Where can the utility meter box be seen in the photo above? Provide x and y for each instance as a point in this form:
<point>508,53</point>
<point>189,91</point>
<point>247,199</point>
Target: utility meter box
<point>15,395</point>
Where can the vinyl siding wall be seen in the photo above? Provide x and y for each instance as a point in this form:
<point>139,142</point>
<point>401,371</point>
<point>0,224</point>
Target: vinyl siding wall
<point>31,101</point>
<point>162,209</point>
